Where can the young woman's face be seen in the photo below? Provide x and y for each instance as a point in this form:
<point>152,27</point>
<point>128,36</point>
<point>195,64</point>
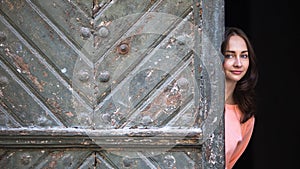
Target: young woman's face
<point>236,60</point>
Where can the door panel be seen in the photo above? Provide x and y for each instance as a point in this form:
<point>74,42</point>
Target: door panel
<point>111,84</point>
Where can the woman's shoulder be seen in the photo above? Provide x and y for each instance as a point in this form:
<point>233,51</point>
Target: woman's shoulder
<point>234,108</point>
<point>231,106</point>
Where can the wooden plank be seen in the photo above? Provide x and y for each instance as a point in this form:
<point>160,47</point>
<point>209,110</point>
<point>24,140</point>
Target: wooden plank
<point>106,139</point>
<point>70,17</point>
<point>26,114</point>
<point>175,158</point>
<point>48,84</point>
<point>43,158</point>
<point>44,36</point>
<point>146,22</point>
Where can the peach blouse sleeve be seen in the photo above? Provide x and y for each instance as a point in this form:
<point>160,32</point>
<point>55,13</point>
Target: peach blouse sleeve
<point>247,130</point>
<point>237,135</point>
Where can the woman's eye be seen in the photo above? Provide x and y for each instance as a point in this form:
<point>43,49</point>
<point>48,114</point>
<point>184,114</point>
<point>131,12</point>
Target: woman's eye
<point>228,56</point>
<point>244,56</point>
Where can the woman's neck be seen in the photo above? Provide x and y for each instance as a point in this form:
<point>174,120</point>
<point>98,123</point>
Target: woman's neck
<point>229,88</point>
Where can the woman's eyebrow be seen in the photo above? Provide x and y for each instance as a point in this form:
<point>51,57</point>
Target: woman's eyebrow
<point>232,51</point>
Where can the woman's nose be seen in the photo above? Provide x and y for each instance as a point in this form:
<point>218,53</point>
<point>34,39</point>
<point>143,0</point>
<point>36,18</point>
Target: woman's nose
<point>237,62</point>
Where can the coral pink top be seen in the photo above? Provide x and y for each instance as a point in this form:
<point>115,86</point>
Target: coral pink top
<point>237,135</point>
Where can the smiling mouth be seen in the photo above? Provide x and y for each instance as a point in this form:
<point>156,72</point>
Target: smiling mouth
<point>236,72</point>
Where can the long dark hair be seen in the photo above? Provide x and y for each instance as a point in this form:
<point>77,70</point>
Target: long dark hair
<point>244,93</point>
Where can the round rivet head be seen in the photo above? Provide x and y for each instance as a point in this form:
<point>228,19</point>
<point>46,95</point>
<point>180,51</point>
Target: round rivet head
<point>104,76</point>
<point>83,75</point>
<point>85,32</point>
<point>127,162</point>
<point>26,159</point>
<point>103,31</point>
<point>183,83</point>
<point>169,160</point>
<point>123,48</point>
<point>106,117</point>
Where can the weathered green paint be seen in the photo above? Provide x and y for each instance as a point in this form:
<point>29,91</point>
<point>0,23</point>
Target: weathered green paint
<point>111,84</point>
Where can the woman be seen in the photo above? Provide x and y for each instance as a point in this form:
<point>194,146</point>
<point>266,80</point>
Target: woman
<point>241,76</point>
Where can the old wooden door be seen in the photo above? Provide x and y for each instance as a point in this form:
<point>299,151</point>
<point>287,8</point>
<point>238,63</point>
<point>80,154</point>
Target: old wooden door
<point>111,84</point>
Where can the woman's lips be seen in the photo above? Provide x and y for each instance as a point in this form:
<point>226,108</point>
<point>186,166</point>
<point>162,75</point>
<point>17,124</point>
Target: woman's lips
<point>236,72</point>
